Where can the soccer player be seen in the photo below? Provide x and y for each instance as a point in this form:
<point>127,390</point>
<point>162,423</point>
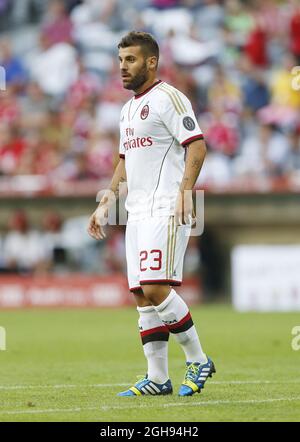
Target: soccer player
<point>157,128</point>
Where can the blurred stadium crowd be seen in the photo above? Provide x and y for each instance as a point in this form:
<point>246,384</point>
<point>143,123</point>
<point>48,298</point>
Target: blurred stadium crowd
<point>59,114</point>
<point>63,246</point>
<point>58,246</point>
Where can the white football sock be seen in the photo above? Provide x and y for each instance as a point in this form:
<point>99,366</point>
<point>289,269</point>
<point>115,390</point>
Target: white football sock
<point>155,336</point>
<point>175,314</point>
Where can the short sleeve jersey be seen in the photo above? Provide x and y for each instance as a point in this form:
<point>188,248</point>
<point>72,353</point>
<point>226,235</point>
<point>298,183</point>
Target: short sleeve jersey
<point>155,128</point>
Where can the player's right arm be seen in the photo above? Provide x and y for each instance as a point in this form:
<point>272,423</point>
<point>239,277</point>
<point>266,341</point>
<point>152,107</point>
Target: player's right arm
<point>99,217</point>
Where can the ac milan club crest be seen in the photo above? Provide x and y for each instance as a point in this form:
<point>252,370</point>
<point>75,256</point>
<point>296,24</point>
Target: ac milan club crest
<point>145,112</point>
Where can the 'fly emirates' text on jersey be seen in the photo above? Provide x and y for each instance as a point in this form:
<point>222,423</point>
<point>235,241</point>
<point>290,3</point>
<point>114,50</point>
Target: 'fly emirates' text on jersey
<point>154,128</point>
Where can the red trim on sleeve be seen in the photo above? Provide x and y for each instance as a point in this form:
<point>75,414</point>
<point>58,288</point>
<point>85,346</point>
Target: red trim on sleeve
<point>190,140</point>
<point>121,155</point>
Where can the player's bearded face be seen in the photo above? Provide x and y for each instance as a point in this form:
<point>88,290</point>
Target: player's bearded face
<point>138,79</point>
<point>133,67</point>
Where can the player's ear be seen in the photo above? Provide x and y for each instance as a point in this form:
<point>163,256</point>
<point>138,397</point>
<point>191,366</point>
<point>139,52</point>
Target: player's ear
<point>152,62</point>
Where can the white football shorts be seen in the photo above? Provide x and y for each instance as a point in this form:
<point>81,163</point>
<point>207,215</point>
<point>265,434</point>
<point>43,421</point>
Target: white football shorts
<point>155,249</point>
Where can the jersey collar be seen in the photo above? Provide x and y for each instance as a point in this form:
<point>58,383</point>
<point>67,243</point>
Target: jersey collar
<point>147,90</point>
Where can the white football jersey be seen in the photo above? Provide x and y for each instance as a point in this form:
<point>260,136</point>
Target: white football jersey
<point>155,127</point>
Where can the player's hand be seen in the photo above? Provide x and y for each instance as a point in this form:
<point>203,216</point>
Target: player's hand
<point>184,209</point>
<point>97,221</point>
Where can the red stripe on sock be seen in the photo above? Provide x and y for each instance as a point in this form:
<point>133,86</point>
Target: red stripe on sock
<point>162,329</point>
<point>180,323</point>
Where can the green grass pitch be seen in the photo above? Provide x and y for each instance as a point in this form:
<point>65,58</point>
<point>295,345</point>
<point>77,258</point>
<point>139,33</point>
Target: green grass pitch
<point>68,365</point>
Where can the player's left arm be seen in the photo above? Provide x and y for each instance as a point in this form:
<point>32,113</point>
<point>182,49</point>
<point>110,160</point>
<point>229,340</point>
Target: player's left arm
<point>184,212</point>
<point>177,114</point>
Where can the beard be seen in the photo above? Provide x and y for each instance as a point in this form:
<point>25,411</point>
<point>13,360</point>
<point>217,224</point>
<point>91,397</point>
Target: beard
<point>137,81</point>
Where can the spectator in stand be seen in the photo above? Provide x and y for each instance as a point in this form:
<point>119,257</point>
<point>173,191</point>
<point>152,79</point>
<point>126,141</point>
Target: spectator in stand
<point>285,101</point>
<point>81,170</point>
<point>293,159</point>
<point>192,260</point>
<point>282,92</point>
<point>82,122</point>
<point>87,85</point>
<point>263,155</point>
<point>40,157</point>
<point>238,21</point>
<point>56,132</point>
<point>15,73</point>
<point>216,170</point>
<point>34,107</point>
<point>53,239</point>
<point>10,110</point>
<point>5,7</point>
<point>12,148</point>
<point>295,32</point>
<point>54,68</point>
<point>57,26</point>
<point>221,131</point>
<point>164,4</point>
<point>209,18</point>
<point>272,16</point>
<point>23,248</point>
<point>256,47</point>
<point>95,22</point>
<point>254,87</point>
<point>224,93</point>
<point>114,254</point>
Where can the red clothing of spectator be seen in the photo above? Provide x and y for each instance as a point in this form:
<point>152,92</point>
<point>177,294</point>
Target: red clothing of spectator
<point>59,31</point>
<point>295,33</point>
<point>222,138</point>
<point>164,3</point>
<point>10,155</point>
<point>256,47</point>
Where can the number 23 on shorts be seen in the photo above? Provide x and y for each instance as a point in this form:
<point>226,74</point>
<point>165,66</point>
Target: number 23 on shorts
<point>154,257</point>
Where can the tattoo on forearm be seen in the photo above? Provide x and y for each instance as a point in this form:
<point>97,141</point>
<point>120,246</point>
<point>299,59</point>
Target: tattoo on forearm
<point>196,164</point>
<point>117,191</point>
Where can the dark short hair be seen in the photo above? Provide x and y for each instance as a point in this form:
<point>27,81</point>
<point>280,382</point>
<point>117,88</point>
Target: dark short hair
<point>146,41</point>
